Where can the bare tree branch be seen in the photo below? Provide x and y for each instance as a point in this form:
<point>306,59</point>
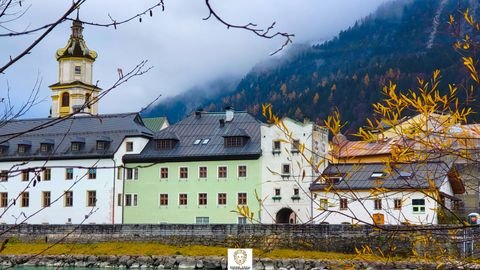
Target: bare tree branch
<point>263,33</point>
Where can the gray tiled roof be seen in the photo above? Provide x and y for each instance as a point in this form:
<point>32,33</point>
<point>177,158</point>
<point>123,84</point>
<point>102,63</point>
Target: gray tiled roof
<point>201,127</point>
<point>112,128</point>
<point>403,176</point>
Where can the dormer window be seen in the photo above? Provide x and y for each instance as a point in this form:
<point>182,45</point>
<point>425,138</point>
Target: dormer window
<point>78,70</point>
<point>23,147</point>
<point>77,144</point>
<point>166,144</point>
<point>3,149</point>
<point>46,146</point>
<point>75,147</point>
<point>102,143</point>
<point>234,141</point>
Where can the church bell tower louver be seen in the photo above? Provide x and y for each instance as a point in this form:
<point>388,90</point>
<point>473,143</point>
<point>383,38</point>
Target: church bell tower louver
<point>74,90</point>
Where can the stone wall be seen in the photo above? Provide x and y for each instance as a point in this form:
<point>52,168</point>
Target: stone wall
<point>336,238</point>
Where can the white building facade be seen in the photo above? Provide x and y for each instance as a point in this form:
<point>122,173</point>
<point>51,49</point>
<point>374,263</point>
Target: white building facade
<point>418,194</point>
<point>67,173</point>
<point>292,158</point>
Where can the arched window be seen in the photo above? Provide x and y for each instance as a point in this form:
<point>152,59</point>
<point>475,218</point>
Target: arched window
<point>65,99</point>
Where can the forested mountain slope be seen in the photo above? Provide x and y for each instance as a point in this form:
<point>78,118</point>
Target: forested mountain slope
<point>400,42</point>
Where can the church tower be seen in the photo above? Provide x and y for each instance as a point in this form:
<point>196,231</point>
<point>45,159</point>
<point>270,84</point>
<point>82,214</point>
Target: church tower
<point>74,90</point>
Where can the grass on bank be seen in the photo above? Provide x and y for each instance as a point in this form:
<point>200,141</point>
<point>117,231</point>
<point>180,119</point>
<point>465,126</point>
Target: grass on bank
<point>147,249</point>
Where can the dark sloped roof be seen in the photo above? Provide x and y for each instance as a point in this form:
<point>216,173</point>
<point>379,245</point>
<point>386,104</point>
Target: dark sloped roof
<point>62,132</point>
<point>203,127</point>
<point>403,176</point>
<point>236,132</point>
<point>167,135</point>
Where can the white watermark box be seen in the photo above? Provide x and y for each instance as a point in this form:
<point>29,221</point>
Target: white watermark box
<point>240,259</point>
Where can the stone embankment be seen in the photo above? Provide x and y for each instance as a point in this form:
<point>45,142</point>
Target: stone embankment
<point>207,263</point>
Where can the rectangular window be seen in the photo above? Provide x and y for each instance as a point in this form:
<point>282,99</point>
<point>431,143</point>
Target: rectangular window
<point>202,199</point>
<point>44,147</point>
<point>75,147</point>
<point>377,204</point>
<point>131,199</point>
<point>242,198</point>
<point>119,199</point>
<point>91,198</point>
<point>296,192</point>
<point>202,220</point>
<point>131,173</point>
<point>418,206</point>
<point>68,198</point>
<point>22,148</point>
<point>397,204</point>
<point>46,198</point>
<point>163,199</point>
<point>234,141</point>
<point>222,172</point>
<point>47,174</point>
<point>92,173</point>
<point>69,173</point>
<point>277,192</point>
<point>129,146</point>
<point>285,169</point>
<point>4,176</point>
<point>119,172</point>
<point>202,172</point>
<point>242,171</point>
<point>25,199</point>
<point>78,70</point>
<point>295,146</point>
<point>164,173</point>
<point>222,198</point>
<point>3,199</point>
<point>101,145</point>
<point>343,204</point>
<point>182,199</point>
<point>323,204</point>
<point>276,146</point>
<point>166,144</point>
<point>242,220</point>
<point>25,175</point>
<point>183,172</point>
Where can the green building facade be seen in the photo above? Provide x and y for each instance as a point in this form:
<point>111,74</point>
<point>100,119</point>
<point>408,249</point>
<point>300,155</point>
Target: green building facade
<point>180,192</point>
<point>200,170</point>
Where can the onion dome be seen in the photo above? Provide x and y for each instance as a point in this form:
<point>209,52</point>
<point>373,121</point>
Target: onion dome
<point>76,46</point>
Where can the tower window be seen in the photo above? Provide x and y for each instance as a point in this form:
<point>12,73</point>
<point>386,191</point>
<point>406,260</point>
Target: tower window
<point>65,100</point>
<point>78,70</point>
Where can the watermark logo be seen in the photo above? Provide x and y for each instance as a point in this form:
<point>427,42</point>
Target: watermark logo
<point>240,259</point>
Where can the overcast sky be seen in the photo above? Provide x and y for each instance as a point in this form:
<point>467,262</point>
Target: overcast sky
<point>183,49</point>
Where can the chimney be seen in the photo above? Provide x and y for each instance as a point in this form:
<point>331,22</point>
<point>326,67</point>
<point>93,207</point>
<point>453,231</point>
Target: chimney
<point>229,114</point>
<point>198,113</point>
<point>222,123</point>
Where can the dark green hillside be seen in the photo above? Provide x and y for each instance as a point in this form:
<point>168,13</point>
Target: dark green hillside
<point>349,71</point>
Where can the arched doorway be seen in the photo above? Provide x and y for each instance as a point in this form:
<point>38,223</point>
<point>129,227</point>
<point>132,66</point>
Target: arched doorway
<point>286,216</point>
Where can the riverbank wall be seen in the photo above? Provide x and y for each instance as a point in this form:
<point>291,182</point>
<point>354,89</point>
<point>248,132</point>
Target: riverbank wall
<point>399,240</point>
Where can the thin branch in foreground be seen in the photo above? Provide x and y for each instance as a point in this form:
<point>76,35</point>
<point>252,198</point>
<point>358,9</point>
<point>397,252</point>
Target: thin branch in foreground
<point>263,33</point>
